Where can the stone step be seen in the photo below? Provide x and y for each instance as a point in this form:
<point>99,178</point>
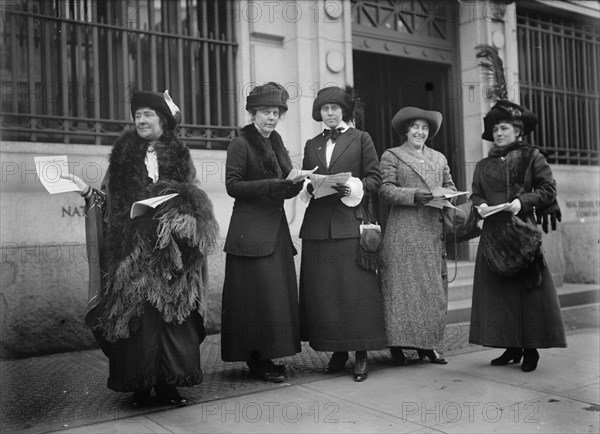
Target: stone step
<point>570,295</point>
<point>460,290</point>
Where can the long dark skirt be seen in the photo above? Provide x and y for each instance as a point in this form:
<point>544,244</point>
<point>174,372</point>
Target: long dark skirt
<point>259,317</point>
<point>340,303</point>
<point>157,353</point>
<point>506,314</point>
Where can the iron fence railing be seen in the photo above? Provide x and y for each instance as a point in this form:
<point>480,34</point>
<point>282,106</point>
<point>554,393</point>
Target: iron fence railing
<point>69,67</point>
<point>558,72</point>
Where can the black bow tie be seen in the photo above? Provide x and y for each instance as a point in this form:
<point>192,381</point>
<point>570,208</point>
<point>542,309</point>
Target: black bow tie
<point>332,134</point>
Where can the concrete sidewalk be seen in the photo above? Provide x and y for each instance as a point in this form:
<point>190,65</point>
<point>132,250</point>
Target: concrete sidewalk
<point>467,395</point>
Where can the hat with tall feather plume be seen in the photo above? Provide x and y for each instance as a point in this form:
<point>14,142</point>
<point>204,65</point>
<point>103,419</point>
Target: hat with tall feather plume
<point>492,70</point>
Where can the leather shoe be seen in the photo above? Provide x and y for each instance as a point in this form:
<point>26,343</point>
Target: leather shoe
<point>432,355</point>
<point>511,355</point>
<point>530,359</point>
<point>169,395</point>
<point>360,366</point>
<point>262,369</point>
<point>141,398</point>
<point>398,356</point>
<point>337,363</point>
<point>277,368</point>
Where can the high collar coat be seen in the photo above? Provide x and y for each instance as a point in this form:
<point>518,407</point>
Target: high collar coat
<point>251,167</point>
<point>354,152</point>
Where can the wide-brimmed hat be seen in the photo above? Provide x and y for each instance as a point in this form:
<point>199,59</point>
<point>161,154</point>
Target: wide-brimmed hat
<point>408,114</point>
<point>268,95</point>
<point>507,111</point>
<point>158,101</point>
<point>332,95</point>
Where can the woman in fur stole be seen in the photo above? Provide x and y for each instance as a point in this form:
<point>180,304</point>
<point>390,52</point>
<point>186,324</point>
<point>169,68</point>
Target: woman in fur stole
<point>148,275</point>
<point>512,309</point>
<point>260,293</point>
<point>520,312</point>
<point>340,302</point>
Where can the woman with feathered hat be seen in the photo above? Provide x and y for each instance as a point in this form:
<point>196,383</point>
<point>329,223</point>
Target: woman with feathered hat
<point>148,274</point>
<point>260,293</point>
<point>515,304</point>
<point>414,279</point>
<point>340,303</point>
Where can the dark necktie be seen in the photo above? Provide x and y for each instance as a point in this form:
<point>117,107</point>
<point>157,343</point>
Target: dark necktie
<point>332,134</point>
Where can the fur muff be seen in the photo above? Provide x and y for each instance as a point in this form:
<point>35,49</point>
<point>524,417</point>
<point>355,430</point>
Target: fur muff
<point>158,256</point>
<point>270,156</point>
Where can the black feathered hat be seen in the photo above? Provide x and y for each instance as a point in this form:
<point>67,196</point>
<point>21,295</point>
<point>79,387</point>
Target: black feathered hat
<point>495,90</point>
<point>158,101</point>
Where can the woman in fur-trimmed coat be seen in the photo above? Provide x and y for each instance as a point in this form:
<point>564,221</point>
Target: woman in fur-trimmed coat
<point>521,312</point>
<point>260,293</point>
<point>148,275</point>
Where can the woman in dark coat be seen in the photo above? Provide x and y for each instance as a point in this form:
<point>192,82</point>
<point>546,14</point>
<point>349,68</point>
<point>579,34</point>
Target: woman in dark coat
<point>148,275</point>
<point>414,279</point>
<point>260,292</point>
<point>520,313</point>
<point>340,303</point>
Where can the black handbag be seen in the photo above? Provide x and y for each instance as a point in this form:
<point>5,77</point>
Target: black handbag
<point>371,238</point>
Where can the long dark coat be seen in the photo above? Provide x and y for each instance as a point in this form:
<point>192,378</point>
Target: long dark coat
<point>259,317</point>
<point>340,303</point>
<point>504,313</point>
<point>414,278</point>
<point>148,276</point>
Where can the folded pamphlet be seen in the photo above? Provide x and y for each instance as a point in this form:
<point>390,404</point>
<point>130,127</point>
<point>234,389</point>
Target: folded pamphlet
<point>323,183</point>
<point>297,175</point>
<point>142,206</point>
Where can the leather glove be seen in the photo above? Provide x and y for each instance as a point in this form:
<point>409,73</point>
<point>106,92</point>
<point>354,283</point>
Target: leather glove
<point>294,190</point>
<point>422,197</point>
<point>342,189</point>
<point>279,185</point>
<point>552,210</point>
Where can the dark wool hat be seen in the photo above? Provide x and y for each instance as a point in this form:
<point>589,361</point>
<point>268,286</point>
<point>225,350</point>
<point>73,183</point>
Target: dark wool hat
<point>332,95</point>
<point>268,95</point>
<point>407,114</point>
<point>160,102</point>
<point>508,112</point>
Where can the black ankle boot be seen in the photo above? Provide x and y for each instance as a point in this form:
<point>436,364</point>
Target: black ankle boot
<point>398,356</point>
<point>530,359</point>
<point>511,355</point>
<point>361,368</point>
<point>432,355</point>
<point>337,363</point>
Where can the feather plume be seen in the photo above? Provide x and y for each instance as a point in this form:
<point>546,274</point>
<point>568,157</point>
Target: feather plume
<point>492,70</point>
<point>358,114</point>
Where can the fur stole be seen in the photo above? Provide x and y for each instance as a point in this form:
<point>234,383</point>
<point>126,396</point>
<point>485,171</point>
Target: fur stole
<point>275,159</point>
<point>157,257</point>
<point>518,157</point>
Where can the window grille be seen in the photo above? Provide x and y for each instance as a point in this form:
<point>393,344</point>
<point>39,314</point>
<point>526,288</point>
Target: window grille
<point>69,67</point>
<point>425,19</point>
<point>558,72</point>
